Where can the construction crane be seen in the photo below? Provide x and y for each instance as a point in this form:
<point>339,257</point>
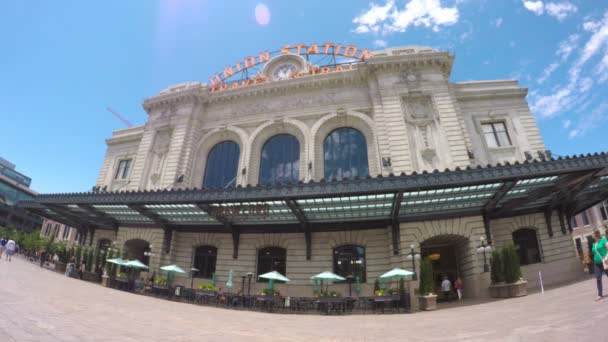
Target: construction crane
<point>125,121</point>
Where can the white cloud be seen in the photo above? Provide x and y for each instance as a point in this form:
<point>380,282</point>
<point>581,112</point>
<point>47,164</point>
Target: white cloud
<point>597,118</point>
<point>567,123</point>
<point>574,133</point>
<point>585,84</point>
<point>380,43</point>
<point>560,10</point>
<point>536,7</point>
<point>497,22</point>
<point>389,18</point>
<point>547,72</point>
<point>567,46</point>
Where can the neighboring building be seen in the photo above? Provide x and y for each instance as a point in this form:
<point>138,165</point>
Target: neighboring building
<point>306,167</point>
<point>59,231</point>
<point>14,187</point>
<point>584,224</point>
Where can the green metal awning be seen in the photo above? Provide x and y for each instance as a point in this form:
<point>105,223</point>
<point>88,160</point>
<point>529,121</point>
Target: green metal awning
<point>567,185</point>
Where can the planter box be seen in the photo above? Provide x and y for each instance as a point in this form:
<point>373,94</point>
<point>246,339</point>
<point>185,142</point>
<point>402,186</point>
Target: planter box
<point>60,267</point>
<point>90,276</point>
<point>428,303</point>
<point>518,289</point>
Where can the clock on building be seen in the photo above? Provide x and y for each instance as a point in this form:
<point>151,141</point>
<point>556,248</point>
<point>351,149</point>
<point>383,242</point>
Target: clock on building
<point>284,71</point>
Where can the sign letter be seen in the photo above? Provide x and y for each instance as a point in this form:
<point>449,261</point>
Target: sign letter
<point>350,51</point>
<point>327,46</point>
<point>313,48</point>
<point>249,61</point>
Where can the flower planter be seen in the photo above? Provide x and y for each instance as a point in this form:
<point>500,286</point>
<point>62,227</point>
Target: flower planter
<point>518,289</point>
<point>428,303</point>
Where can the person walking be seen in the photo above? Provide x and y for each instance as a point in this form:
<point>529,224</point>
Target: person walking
<point>446,288</point>
<point>599,253</point>
<point>3,242</point>
<point>10,249</point>
<point>458,286</point>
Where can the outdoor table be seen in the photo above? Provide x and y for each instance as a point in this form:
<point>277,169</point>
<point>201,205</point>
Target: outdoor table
<point>160,290</point>
<point>302,303</point>
<point>121,283</point>
<point>269,302</point>
<point>203,297</point>
<point>337,304</point>
<point>380,301</point>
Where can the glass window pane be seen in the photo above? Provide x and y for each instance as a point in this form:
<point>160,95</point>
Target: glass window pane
<point>272,259</point>
<point>222,165</point>
<point>205,258</point>
<point>280,160</point>
<point>491,139</point>
<point>503,139</point>
<point>345,154</point>
<point>349,260</point>
<point>487,128</point>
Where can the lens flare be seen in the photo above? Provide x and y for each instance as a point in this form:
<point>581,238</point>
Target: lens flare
<point>262,14</point>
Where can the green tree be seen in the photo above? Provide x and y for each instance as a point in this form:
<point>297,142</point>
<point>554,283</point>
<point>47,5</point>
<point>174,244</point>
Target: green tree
<point>426,277</point>
<point>78,254</point>
<point>497,272</point>
<point>90,259</point>
<point>376,285</point>
<point>511,265</point>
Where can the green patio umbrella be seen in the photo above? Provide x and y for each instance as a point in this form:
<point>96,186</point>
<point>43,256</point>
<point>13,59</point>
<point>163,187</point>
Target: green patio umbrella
<point>117,261</point>
<point>327,276</point>
<point>171,270</point>
<point>229,282</point>
<point>382,283</point>
<point>358,284</point>
<point>315,286</point>
<point>213,279</point>
<point>272,276</point>
<point>135,264</point>
<point>396,273</point>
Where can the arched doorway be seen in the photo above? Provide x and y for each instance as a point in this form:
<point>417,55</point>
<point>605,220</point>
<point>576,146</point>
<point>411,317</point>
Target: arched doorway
<point>450,255</point>
<point>136,249</point>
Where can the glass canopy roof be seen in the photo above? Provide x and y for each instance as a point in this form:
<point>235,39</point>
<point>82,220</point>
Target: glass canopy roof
<point>494,191</point>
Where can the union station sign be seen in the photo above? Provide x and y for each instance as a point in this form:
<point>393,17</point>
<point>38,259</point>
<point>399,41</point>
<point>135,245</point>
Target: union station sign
<point>291,61</point>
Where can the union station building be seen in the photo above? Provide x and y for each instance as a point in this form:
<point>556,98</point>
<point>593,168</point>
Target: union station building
<point>349,163</point>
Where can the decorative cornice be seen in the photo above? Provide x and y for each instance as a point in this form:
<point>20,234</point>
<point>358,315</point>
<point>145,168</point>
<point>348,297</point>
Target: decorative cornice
<point>191,94</point>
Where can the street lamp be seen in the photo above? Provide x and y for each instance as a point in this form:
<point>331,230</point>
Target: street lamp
<point>192,271</point>
<point>249,276</point>
<point>483,249</point>
<point>413,256</point>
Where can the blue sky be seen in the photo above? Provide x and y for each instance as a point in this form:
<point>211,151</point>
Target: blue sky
<point>64,62</point>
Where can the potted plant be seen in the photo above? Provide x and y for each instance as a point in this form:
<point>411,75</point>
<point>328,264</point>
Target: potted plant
<point>269,292</point>
<point>161,283</point>
<point>427,299</point>
<point>207,287</point>
<point>506,274</point>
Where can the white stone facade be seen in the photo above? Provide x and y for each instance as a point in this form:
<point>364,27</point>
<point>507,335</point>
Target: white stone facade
<point>413,119</point>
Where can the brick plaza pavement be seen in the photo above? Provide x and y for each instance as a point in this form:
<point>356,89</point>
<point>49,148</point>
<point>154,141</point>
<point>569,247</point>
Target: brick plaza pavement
<point>40,305</point>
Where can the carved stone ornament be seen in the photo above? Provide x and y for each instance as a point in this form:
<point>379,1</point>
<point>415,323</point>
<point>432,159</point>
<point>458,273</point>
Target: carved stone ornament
<point>284,104</point>
<point>408,77</point>
<point>428,154</point>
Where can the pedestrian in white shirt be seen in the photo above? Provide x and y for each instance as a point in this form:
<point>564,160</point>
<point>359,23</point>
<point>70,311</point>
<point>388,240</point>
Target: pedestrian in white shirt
<point>446,288</point>
<point>10,249</point>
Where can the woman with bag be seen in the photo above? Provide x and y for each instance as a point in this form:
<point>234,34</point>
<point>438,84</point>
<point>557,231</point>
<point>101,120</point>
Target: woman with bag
<point>600,260</point>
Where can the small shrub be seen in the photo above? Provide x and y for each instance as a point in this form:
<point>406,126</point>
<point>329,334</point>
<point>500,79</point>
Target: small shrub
<point>121,275</point>
<point>510,262</point>
<point>426,277</point>
<point>207,287</point>
<point>330,294</point>
<point>269,292</point>
<point>496,272</point>
<point>161,281</point>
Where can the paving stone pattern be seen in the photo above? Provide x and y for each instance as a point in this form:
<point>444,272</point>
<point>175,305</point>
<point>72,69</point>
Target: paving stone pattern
<point>40,305</point>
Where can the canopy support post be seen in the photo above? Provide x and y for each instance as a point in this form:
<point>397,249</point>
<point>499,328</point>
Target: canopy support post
<point>308,238</point>
<point>236,236</point>
<point>395,228</point>
<point>486,226</point>
<point>560,214</point>
<point>548,215</point>
<point>167,239</point>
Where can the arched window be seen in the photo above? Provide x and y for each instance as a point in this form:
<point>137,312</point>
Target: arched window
<point>526,244</point>
<point>345,154</point>
<point>349,260</point>
<point>272,259</point>
<point>222,165</point>
<point>205,258</point>
<point>280,160</point>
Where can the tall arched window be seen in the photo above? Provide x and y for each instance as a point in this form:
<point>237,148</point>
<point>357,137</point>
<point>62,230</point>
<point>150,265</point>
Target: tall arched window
<point>222,165</point>
<point>280,160</point>
<point>345,154</point>
<point>272,259</point>
<point>349,260</point>
<point>205,258</point>
<point>526,244</point>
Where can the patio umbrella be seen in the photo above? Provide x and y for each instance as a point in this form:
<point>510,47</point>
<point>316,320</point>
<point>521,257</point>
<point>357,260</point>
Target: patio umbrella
<point>396,273</point>
<point>135,264</point>
<point>315,286</point>
<point>117,261</point>
<point>213,280</point>
<point>272,276</point>
<point>229,282</point>
<point>328,276</point>
<point>358,284</point>
<point>171,269</point>
<point>382,283</point>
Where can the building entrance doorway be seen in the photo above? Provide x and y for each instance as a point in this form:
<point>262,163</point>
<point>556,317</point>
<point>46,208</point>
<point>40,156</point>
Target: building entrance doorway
<point>446,253</point>
<point>136,249</point>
